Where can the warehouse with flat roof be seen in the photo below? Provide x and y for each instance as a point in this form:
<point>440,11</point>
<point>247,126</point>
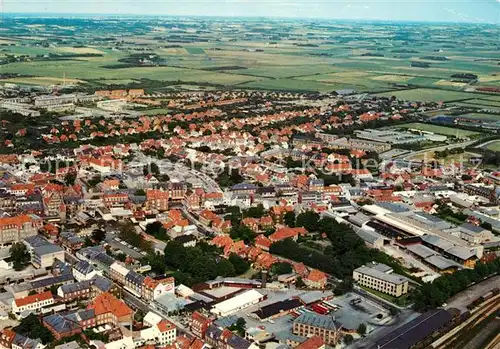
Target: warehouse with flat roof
<point>239,302</point>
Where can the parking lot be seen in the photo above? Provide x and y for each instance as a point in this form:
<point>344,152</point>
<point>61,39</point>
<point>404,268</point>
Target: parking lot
<point>128,250</point>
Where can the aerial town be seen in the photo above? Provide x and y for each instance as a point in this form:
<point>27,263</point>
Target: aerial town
<point>237,218</point>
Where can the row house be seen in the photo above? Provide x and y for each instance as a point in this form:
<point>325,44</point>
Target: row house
<point>134,282</point>
<point>154,288</point>
<point>199,324</point>
<point>75,292</point>
<point>115,199</point>
<point>157,199</point>
<point>118,272</point>
<point>33,303</point>
<point>17,228</point>
<point>70,324</point>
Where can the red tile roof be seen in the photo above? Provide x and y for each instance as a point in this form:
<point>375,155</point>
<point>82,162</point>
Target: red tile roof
<point>39,297</point>
<point>107,303</point>
<point>165,326</point>
<point>314,342</point>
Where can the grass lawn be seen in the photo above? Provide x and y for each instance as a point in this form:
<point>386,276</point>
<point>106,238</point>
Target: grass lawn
<point>495,146</point>
<point>443,130</point>
<point>155,111</point>
<point>402,301</point>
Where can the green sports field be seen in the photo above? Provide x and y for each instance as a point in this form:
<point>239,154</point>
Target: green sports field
<point>442,130</point>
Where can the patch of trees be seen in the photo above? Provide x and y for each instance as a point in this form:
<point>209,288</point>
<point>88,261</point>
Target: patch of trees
<point>129,234</point>
<point>435,58</point>
<point>157,230</point>
<point>229,177</point>
<point>19,255</point>
<point>432,295</point>
<point>53,165</point>
<point>420,65</point>
<point>371,54</point>
<point>32,327</point>
<point>465,76</point>
<point>201,263</point>
<point>447,152</point>
<point>230,67</point>
<point>346,252</point>
<point>242,232</point>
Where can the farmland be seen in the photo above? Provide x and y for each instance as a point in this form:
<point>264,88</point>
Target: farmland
<point>315,56</point>
<point>431,95</point>
<point>446,131</point>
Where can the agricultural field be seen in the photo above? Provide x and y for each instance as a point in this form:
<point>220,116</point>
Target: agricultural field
<point>430,95</point>
<point>442,130</point>
<point>482,116</point>
<point>316,56</point>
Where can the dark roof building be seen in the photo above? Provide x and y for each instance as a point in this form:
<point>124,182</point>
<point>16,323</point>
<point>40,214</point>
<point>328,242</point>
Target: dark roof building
<point>414,332</point>
<point>278,308</point>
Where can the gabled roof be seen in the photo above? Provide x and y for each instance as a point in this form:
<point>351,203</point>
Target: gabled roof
<point>107,303</point>
<point>39,297</point>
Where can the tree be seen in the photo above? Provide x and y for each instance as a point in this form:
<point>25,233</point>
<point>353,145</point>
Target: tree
<point>299,282</point>
<point>242,232</point>
<point>225,268</point>
<point>70,178</point>
<point>308,220</point>
<point>289,219</point>
<point>98,235</point>
<point>362,329</point>
<point>19,255</point>
<point>281,268</point>
<point>343,287</point>
<point>239,327</point>
<point>157,230</point>
<point>348,339</point>
<point>31,327</point>
<point>240,265</point>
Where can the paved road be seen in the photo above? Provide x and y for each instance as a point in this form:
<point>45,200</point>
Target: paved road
<point>127,250</point>
<point>464,298</point>
<point>137,303</point>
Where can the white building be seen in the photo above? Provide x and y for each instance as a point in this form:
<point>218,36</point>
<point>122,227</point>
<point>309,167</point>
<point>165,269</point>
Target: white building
<point>83,271</point>
<point>380,277</point>
<point>239,302</point>
<point>33,303</point>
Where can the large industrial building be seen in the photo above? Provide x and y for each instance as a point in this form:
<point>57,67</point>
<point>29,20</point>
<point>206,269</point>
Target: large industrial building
<point>239,302</point>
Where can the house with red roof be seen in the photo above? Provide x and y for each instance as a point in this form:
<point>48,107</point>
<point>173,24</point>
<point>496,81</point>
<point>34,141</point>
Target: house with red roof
<point>111,310</point>
<point>315,279</point>
<point>262,242</point>
<point>287,233</point>
<point>33,303</point>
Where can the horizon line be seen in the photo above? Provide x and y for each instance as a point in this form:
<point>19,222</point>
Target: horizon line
<point>90,14</point>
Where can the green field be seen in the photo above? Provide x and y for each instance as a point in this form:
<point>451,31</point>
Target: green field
<point>431,95</point>
<point>265,54</point>
<point>442,130</point>
<point>291,85</point>
<point>157,111</point>
<point>482,116</point>
<point>494,146</point>
<point>195,50</point>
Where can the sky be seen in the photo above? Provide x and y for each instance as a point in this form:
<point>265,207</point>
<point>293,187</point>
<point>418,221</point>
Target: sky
<point>482,11</point>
